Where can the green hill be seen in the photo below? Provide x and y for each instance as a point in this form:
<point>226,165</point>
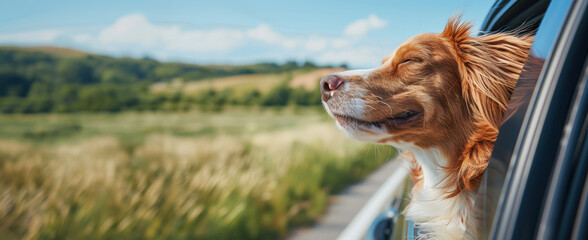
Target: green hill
<point>73,66</point>
<point>52,79</point>
<point>56,51</point>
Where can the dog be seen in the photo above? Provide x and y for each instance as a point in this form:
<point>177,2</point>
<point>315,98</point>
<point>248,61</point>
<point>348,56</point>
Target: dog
<point>440,98</point>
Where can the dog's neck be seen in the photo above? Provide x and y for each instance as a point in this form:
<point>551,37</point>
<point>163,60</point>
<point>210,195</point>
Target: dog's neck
<point>431,161</point>
<point>432,211</point>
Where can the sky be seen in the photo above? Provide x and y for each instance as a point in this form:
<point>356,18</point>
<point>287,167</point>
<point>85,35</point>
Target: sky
<point>357,33</point>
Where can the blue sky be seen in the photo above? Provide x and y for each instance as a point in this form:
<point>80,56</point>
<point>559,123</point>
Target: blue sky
<point>358,33</point>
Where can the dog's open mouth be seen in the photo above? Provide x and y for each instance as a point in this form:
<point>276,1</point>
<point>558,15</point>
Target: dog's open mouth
<point>396,121</point>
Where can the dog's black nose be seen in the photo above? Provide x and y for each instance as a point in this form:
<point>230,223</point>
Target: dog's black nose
<point>329,84</point>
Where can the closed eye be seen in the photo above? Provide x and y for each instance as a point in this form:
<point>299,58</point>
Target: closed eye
<point>407,60</point>
<point>410,60</point>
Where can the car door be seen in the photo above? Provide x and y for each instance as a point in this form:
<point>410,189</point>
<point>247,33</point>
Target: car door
<point>526,188</point>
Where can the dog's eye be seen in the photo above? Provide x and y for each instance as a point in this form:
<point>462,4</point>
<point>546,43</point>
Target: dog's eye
<point>406,60</point>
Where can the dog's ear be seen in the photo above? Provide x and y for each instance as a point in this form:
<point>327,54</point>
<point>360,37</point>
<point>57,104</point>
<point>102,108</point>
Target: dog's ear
<point>489,66</point>
<point>475,156</point>
<point>466,173</point>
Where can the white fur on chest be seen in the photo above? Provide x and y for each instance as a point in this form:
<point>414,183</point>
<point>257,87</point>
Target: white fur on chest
<point>431,161</point>
<point>437,216</point>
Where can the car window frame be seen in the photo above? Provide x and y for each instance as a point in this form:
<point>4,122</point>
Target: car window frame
<point>570,170</point>
<point>531,158</point>
<point>517,153</point>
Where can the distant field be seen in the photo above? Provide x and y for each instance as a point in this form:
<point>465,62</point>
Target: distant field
<point>238,174</point>
<point>46,128</point>
<point>56,51</point>
<point>262,82</point>
<point>310,80</point>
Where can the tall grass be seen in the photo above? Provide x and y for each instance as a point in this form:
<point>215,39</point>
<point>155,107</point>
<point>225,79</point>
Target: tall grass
<point>173,187</point>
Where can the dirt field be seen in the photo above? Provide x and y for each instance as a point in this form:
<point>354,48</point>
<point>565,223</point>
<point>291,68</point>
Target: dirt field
<point>261,82</point>
<point>310,80</point>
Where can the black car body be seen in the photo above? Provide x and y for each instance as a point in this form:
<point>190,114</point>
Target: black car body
<point>534,185</point>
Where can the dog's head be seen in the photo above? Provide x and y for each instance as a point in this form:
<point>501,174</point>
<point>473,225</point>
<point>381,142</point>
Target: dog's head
<point>414,93</point>
<point>434,90</point>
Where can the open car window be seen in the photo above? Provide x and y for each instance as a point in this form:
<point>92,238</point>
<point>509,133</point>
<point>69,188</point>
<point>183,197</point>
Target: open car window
<point>512,192</point>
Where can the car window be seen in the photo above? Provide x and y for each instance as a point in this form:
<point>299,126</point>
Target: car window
<point>505,152</point>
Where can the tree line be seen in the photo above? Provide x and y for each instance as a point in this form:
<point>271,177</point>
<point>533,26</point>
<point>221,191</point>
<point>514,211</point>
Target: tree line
<point>36,82</point>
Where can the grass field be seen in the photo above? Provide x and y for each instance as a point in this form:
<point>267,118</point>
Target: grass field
<point>237,174</point>
<point>261,82</point>
<point>310,80</point>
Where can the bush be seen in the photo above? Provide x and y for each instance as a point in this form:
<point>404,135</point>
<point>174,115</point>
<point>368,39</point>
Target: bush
<point>75,71</point>
<point>277,96</point>
<point>251,97</point>
<point>303,97</point>
<point>10,105</point>
<point>13,84</point>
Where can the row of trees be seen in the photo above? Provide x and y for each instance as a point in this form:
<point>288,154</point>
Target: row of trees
<point>32,82</point>
<point>18,64</point>
<point>114,98</point>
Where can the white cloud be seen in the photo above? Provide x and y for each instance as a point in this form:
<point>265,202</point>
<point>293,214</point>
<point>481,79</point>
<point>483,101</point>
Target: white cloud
<point>136,29</point>
<point>203,41</point>
<point>132,29</point>
<point>363,26</point>
<point>265,33</point>
<point>315,44</point>
<point>134,35</point>
<point>43,36</point>
<point>289,43</point>
<point>341,43</point>
<point>83,38</point>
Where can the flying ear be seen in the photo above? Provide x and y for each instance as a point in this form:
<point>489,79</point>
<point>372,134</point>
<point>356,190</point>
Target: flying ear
<point>467,173</point>
<point>489,66</point>
<point>475,157</point>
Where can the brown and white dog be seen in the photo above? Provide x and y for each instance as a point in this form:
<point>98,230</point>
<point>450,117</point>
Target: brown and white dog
<point>440,98</point>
